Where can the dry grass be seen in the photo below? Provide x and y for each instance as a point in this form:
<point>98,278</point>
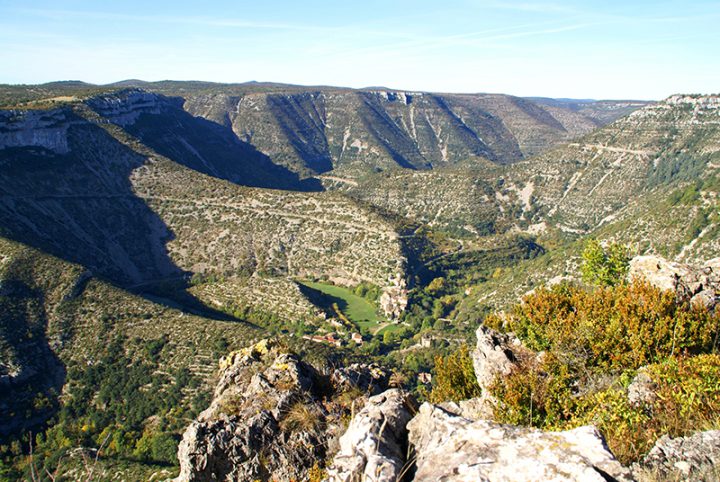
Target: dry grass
<point>302,417</point>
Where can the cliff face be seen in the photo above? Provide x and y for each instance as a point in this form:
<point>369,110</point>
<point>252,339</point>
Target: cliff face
<point>160,123</point>
<point>359,131</point>
<point>41,129</point>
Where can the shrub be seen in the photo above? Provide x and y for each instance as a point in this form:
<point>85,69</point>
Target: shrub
<point>535,393</point>
<point>454,377</point>
<point>593,343</point>
<point>604,266</point>
<point>687,399</point>
<point>620,327</point>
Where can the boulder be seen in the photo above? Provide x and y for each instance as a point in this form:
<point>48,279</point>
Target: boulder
<point>374,447</point>
<point>698,284</point>
<point>696,457</point>
<point>371,379</point>
<point>641,390</point>
<point>452,448</point>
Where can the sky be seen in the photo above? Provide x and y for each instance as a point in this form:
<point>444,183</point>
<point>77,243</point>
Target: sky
<point>584,49</point>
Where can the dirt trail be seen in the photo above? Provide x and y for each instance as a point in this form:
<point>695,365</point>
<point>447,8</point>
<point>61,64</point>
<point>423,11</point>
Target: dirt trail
<point>616,149</point>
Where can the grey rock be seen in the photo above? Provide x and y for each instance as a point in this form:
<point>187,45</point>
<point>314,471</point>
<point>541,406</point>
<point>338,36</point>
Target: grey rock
<point>494,355</point>
<point>271,418</point>
<point>451,448</point>
<point>696,458</point>
<point>642,389</point>
<point>244,434</point>
<point>34,128</point>
<point>367,378</point>
<point>374,447</point>
<point>697,284</point>
<point>706,297</point>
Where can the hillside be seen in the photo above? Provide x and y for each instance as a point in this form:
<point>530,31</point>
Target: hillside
<point>86,352</point>
<point>361,131</point>
<point>107,200</point>
<point>579,185</point>
<point>649,180</point>
<point>312,130</point>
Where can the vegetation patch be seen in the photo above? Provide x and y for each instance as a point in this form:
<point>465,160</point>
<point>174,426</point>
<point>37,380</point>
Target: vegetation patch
<point>357,309</point>
<point>454,377</point>
<point>592,342</point>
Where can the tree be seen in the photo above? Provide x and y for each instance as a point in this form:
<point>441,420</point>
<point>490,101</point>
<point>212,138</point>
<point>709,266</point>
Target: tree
<point>436,286</point>
<point>604,266</point>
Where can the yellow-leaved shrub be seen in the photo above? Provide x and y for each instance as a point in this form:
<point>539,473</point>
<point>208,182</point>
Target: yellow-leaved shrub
<point>592,343</point>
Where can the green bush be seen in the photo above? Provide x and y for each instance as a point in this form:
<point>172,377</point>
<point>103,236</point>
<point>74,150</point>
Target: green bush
<point>604,266</point>
<point>687,399</point>
<point>454,377</point>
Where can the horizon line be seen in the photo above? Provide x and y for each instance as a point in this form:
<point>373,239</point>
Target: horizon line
<point>339,87</point>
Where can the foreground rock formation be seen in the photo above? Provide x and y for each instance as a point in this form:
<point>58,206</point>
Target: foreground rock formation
<point>273,417</point>
<point>696,457</point>
<point>374,447</point>
<point>276,417</point>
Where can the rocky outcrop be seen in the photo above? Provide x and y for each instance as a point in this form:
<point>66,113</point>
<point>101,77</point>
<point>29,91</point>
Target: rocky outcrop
<point>697,284</point>
<point>370,379</point>
<point>494,355</point>
<point>45,129</point>
<point>696,457</point>
<point>374,447</point>
<point>241,437</point>
<point>274,417</point>
<point>125,107</point>
<point>394,298</point>
<point>451,448</point>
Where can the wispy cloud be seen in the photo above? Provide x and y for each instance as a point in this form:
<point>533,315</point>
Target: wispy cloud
<point>206,21</point>
<point>479,38</point>
<point>64,15</point>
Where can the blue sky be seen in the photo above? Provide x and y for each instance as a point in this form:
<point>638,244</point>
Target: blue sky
<point>583,49</point>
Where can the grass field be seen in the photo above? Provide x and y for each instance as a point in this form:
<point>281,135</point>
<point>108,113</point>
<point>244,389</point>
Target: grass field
<point>356,308</point>
<point>389,328</point>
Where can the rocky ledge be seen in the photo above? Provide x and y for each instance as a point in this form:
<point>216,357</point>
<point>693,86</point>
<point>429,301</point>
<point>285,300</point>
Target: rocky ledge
<point>452,448</point>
